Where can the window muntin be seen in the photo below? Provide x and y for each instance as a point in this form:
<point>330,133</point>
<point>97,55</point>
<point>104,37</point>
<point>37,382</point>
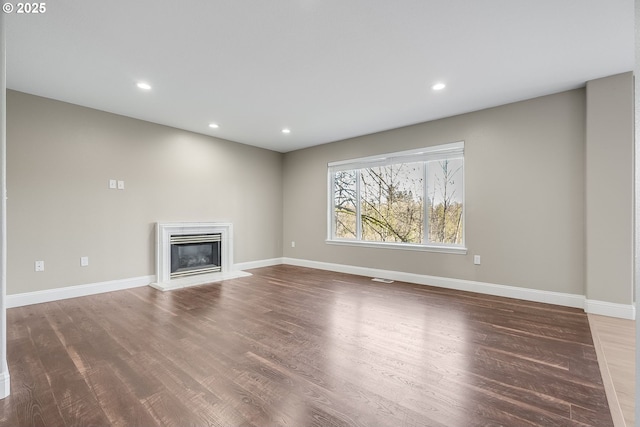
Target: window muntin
<point>392,199</point>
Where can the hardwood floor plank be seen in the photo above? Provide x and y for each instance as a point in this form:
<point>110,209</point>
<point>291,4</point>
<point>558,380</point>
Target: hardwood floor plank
<point>32,402</point>
<point>121,406</point>
<point>346,400</point>
<point>291,346</point>
<point>75,402</point>
<point>102,351</point>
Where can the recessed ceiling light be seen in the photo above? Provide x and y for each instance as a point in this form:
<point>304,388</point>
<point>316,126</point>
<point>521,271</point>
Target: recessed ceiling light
<point>285,130</point>
<point>213,125</point>
<point>144,86</point>
<point>438,86</point>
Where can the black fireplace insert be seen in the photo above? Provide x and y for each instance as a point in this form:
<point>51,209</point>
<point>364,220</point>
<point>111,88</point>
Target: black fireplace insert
<point>195,254</point>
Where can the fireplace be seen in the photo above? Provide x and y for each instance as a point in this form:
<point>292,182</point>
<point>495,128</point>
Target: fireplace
<point>193,253</point>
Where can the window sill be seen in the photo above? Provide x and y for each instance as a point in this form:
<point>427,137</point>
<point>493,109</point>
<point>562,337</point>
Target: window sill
<point>402,246</point>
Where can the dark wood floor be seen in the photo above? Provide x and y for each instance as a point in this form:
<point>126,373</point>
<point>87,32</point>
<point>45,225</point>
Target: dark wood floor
<point>300,347</point>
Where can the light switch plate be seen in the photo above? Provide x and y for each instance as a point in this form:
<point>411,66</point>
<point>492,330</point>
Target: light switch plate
<point>120,185</point>
<point>112,184</point>
<point>84,261</point>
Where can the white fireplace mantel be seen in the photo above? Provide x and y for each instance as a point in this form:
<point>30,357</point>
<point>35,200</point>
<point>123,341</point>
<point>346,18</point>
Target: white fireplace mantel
<point>164,231</point>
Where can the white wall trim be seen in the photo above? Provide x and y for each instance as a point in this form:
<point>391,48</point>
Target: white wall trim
<point>4,372</point>
<point>48,295</point>
<point>460,250</point>
<point>258,264</point>
<point>604,308</point>
<point>5,381</point>
<point>557,298</point>
<point>623,311</point>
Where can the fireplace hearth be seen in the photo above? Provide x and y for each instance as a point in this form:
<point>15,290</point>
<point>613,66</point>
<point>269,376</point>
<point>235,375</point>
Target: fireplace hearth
<point>190,254</point>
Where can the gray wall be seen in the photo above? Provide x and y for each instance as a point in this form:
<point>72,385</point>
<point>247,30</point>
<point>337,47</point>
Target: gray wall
<point>525,196</point>
<point>609,189</point>
<point>528,196</point>
<point>61,157</point>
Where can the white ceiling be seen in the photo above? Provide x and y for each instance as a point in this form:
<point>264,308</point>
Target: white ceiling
<point>326,69</point>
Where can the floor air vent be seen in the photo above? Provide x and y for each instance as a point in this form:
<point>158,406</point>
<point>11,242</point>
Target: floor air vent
<point>381,280</point>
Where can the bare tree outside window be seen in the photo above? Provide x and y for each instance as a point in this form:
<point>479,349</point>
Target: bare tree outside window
<point>392,207</point>
<point>345,200</point>
<point>445,201</point>
<point>417,202</point>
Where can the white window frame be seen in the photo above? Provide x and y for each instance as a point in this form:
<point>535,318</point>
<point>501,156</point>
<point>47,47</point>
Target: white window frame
<point>437,152</point>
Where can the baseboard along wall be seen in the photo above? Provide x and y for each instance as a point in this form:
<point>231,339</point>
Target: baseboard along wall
<point>37,297</point>
<point>5,381</point>
<point>623,311</point>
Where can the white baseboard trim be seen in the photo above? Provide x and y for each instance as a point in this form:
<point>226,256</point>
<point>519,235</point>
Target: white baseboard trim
<point>5,381</point>
<point>623,311</point>
<point>257,264</point>
<point>37,297</point>
<point>603,308</point>
<point>48,295</point>
<point>549,297</point>
<point>557,298</point>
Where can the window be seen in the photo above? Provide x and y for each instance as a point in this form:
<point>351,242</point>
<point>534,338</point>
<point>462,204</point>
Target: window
<point>411,199</point>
